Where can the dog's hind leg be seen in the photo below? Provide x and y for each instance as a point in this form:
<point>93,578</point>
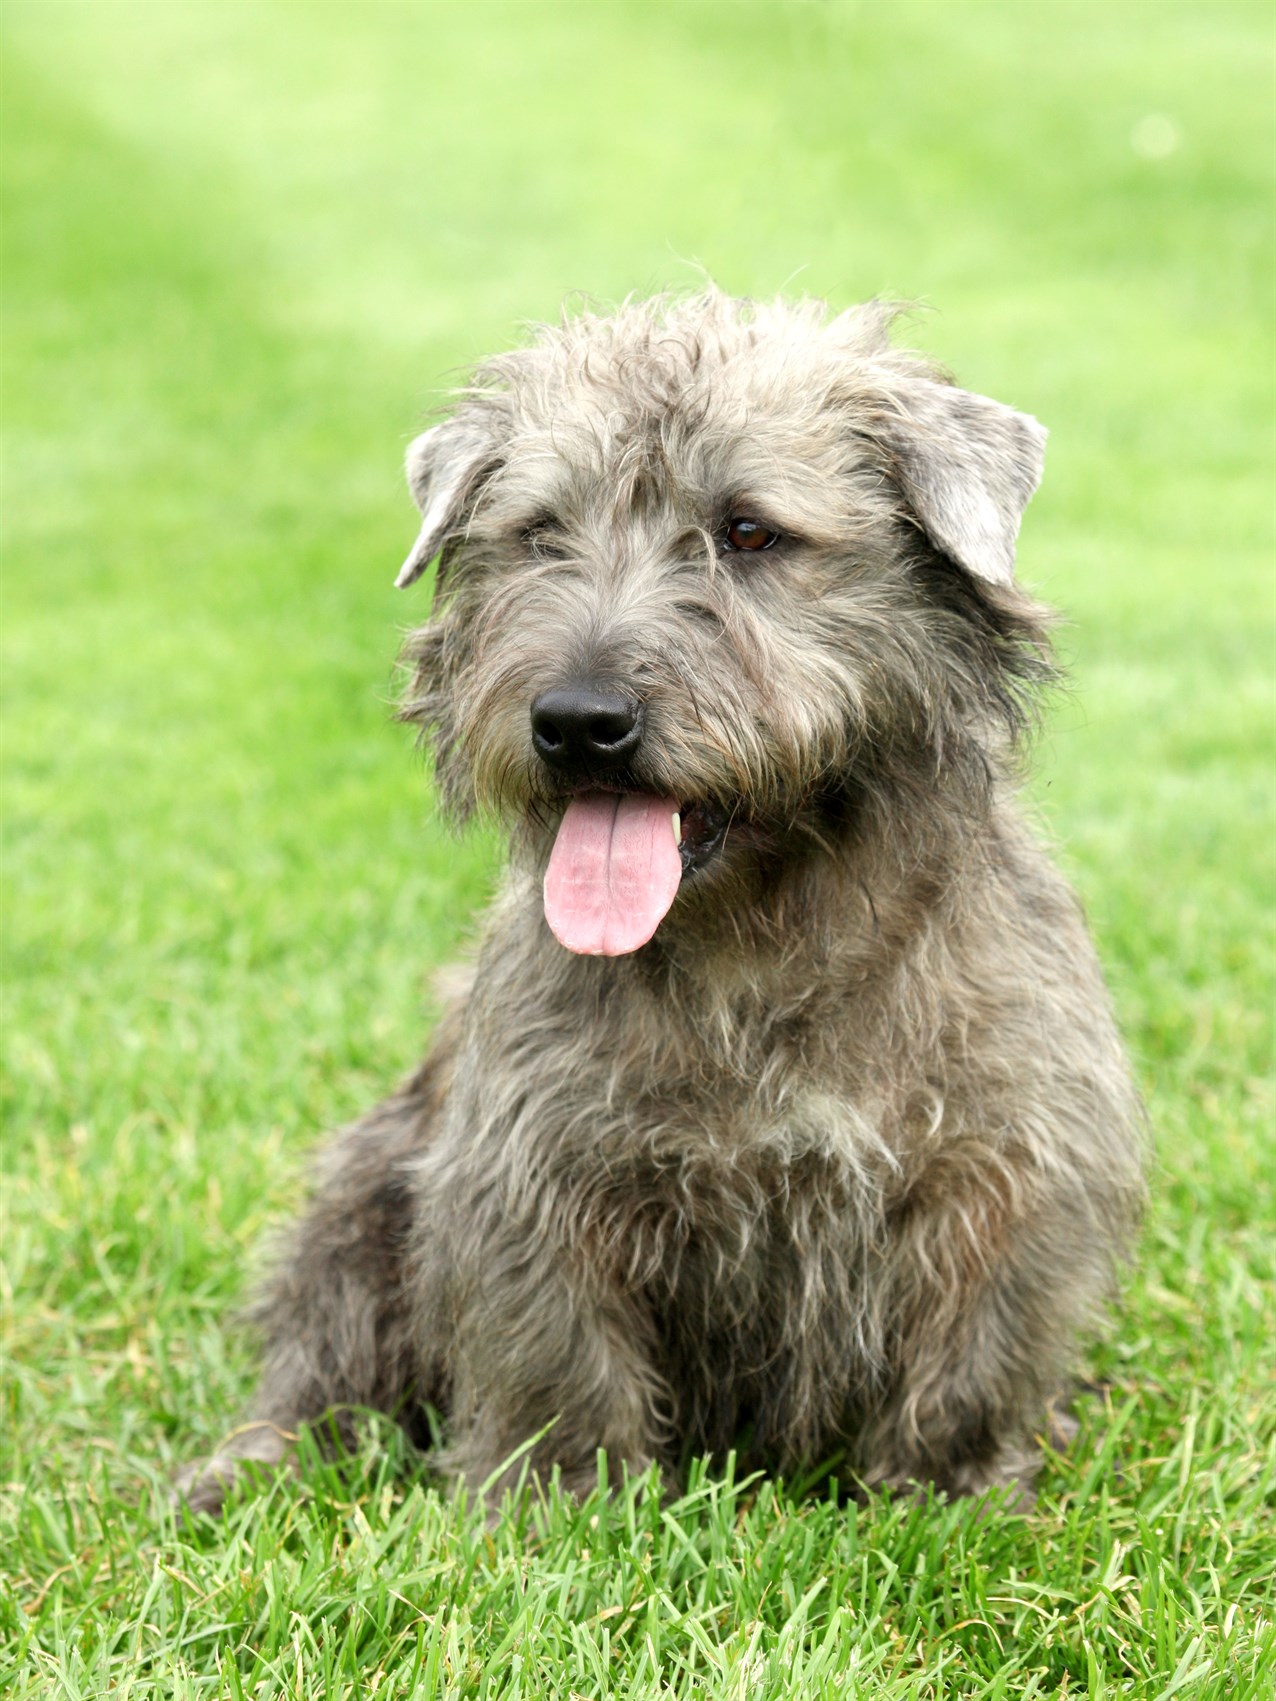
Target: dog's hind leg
<point>335,1316</point>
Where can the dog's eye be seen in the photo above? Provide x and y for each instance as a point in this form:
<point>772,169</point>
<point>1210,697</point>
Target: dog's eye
<point>748,534</point>
<point>543,537</point>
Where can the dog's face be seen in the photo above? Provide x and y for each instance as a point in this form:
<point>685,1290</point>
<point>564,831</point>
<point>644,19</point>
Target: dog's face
<point>709,570</point>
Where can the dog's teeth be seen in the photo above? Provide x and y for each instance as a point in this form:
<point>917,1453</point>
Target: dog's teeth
<point>677,827</point>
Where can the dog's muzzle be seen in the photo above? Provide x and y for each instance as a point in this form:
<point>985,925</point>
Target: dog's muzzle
<point>620,853</point>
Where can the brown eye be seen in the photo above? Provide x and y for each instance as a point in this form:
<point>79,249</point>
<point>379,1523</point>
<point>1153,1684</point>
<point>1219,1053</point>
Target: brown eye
<point>749,534</point>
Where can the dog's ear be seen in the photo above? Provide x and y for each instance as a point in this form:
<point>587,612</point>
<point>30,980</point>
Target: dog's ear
<point>967,467</point>
<point>444,466</point>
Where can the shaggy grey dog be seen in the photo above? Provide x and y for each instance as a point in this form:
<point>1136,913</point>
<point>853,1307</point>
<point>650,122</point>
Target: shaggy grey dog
<point>784,1107</point>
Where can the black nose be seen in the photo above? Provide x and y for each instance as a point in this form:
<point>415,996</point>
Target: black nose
<point>586,729</point>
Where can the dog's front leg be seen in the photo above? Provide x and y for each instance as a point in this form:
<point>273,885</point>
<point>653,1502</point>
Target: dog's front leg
<point>993,1302</point>
<point>551,1360</point>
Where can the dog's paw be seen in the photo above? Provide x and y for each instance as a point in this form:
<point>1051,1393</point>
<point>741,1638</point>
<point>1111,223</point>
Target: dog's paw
<point>204,1487</point>
<point>247,1457</point>
<point>1006,1483</point>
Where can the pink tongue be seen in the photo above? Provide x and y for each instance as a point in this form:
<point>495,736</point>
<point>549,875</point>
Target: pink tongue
<point>613,872</point>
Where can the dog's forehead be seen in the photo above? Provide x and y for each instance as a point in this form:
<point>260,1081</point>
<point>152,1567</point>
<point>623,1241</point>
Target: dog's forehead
<point>710,399</point>
<point>701,368</point>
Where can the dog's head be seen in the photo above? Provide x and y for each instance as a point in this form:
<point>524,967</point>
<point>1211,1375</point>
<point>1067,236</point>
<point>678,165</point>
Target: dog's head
<point>715,579</point>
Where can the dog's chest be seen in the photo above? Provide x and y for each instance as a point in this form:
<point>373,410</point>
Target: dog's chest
<point>760,1209</point>
<point>760,1280</point>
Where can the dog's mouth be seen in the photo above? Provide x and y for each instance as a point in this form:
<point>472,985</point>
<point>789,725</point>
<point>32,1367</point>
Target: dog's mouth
<point>702,833</point>
<point>618,860</point>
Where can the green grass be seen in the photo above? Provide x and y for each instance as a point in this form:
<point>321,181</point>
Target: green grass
<point>242,244</point>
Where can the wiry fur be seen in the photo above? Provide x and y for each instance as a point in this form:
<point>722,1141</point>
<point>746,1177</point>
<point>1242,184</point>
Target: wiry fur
<point>842,1161</point>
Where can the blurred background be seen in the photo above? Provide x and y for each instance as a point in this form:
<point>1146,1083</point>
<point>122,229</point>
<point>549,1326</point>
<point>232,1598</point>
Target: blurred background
<point>247,246</point>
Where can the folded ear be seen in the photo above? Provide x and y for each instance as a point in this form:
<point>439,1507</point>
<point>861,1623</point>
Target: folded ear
<point>967,467</point>
<point>444,465</point>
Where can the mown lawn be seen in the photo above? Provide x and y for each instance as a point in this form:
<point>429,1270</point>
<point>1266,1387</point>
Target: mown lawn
<point>243,244</point>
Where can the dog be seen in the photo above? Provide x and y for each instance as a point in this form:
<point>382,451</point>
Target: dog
<point>783,1108</point>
